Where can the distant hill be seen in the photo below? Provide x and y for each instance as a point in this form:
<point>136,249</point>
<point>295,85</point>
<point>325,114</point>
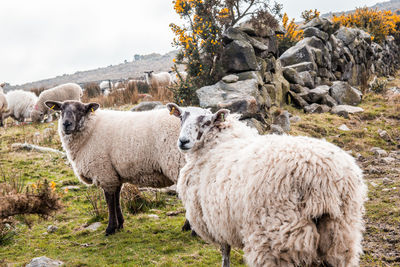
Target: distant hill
<point>133,69</point>
<point>393,5</point>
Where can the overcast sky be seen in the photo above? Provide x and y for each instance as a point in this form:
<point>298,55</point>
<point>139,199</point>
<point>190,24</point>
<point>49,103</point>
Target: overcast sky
<point>45,38</point>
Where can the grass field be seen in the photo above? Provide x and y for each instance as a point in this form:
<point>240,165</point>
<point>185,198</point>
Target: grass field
<point>149,241</point>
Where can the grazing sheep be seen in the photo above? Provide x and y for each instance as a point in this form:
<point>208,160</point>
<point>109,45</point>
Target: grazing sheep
<point>20,104</point>
<point>63,92</point>
<point>108,148</point>
<point>106,85</point>
<point>285,200</point>
<point>3,105</point>
<point>155,80</point>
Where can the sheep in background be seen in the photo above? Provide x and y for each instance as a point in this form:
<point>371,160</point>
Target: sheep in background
<point>108,148</point>
<point>3,104</point>
<point>63,92</point>
<point>155,80</point>
<point>20,105</point>
<point>106,85</point>
<point>285,200</point>
<point>175,78</point>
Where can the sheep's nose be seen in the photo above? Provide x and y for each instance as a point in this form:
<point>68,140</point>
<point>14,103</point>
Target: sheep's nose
<point>183,141</point>
<point>66,124</point>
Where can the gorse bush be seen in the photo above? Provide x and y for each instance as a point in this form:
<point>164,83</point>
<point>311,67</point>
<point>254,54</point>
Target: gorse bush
<point>309,15</point>
<point>291,37</point>
<point>377,23</point>
<point>200,39</point>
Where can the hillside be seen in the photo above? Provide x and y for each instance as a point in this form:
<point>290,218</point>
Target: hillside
<point>133,69</point>
<point>393,5</point>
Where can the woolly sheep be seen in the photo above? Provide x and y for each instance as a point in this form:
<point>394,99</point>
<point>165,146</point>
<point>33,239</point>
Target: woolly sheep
<point>175,78</point>
<point>157,79</point>
<point>20,104</point>
<point>68,91</point>
<point>3,105</point>
<point>285,200</point>
<point>108,148</point>
<point>106,85</point>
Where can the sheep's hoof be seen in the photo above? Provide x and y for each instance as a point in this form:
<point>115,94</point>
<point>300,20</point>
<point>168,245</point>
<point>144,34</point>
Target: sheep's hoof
<point>110,231</point>
<point>120,227</point>
<point>193,233</point>
<point>186,226</point>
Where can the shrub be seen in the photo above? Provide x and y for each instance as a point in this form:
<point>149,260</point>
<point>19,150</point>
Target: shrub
<point>97,208</point>
<point>379,85</point>
<point>291,37</point>
<point>309,15</point>
<point>378,23</point>
<point>135,201</point>
<point>200,39</point>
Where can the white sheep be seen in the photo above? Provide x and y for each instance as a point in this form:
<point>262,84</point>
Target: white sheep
<point>106,85</point>
<point>285,200</point>
<point>3,105</point>
<point>175,77</point>
<point>155,80</point>
<point>20,104</point>
<point>108,148</point>
<point>63,92</point>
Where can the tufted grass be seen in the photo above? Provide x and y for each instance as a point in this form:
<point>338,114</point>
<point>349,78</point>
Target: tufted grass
<point>149,242</point>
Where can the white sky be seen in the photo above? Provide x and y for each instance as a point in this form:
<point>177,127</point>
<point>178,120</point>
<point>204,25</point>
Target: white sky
<point>45,38</point>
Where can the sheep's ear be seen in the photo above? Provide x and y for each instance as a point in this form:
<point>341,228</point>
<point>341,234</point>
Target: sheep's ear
<point>54,105</point>
<point>220,116</point>
<point>174,109</point>
<point>91,107</point>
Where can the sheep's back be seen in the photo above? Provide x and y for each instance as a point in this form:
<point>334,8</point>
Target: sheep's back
<point>68,91</point>
<point>20,102</point>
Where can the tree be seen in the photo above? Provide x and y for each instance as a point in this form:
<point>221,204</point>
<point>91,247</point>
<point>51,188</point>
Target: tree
<point>200,39</point>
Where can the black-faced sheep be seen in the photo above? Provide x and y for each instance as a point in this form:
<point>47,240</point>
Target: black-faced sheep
<point>285,200</point>
<point>63,92</point>
<point>108,148</point>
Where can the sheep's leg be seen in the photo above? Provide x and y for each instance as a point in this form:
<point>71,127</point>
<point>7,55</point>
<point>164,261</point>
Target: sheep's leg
<point>112,213</point>
<point>186,227</point>
<point>120,217</point>
<point>226,254</point>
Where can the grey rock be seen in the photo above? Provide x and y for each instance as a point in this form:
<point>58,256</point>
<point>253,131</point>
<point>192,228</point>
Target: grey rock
<point>343,93</point>
<point>329,101</point>
<point>380,153</point>
<point>299,53</point>
<point>388,160</point>
<point>346,35</point>
<point>316,95</point>
<point>239,56</point>
<point>257,45</point>
<point>276,129</point>
<point>256,124</point>
<point>43,261</point>
<point>292,76</point>
<point>312,31</point>
<point>297,100</point>
<point>230,78</point>
<point>282,119</point>
<point>248,75</point>
<point>373,184</point>
<point>384,135</point>
<point>232,34</point>
<point>241,97</point>
<point>93,227</point>
<point>298,89</point>
<point>147,105</point>
<point>387,181</point>
<point>322,24</point>
<point>344,127</point>
<point>307,79</point>
<point>153,216</point>
<point>340,109</point>
<point>52,228</point>
<point>316,108</point>
<point>295,119</point>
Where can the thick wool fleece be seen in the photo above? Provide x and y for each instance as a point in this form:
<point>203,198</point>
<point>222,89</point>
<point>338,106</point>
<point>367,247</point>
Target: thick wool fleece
<point>287,201</point>
<point>20,104</point>
<point>63,92</point>
<point>115,147</point>
<point>3,103</point>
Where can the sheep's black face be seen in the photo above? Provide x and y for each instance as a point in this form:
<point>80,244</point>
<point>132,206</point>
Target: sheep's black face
<point>195,124</point>
<point>73,114</point>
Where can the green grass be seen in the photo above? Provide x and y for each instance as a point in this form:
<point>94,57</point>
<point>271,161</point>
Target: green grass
<point>150,242</point>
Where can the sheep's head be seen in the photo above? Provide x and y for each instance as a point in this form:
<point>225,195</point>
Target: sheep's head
<point>195,124</point>
<point>73,114</point>
<point>149,72</point>
<point>37,115</point>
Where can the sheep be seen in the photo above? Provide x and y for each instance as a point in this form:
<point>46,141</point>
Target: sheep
<point>108,148</point>
<point>106,85</point>
<point>68,91</point>
<point>175,77</point>
<point>155,80</point>
<point>285,200</point>
<point>20,104</point>
<point>3,105</point>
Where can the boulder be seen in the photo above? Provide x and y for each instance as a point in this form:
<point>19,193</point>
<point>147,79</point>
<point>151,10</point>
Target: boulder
<point>248,75</point>
<point>239,56</point>
<point>282,119</point>
<point>316,108</point>
<point>312,31</point>
<point>232,34</point>
<point>298,89</point>
<point>346,35</point>
<point>321,24</point>
<point>242,97</point>
<point>297,100</point>
<point>343,109</point>
<point>343,93</point>
<point>43,261</point>
<point>316,95</point>
<point>307,79</point>
<point>230,78</point>
<point>299,53</point>
<point>292,76</point>
<point>147,105</point>
<point>276,129</point>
